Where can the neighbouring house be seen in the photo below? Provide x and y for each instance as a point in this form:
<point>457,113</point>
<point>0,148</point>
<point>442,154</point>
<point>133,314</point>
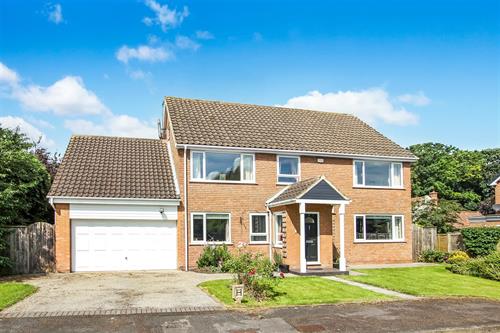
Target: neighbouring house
<point>489,220</point>
<point>320,188</point>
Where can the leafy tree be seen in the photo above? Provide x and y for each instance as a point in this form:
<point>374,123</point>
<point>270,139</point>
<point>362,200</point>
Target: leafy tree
<point>442,215</point>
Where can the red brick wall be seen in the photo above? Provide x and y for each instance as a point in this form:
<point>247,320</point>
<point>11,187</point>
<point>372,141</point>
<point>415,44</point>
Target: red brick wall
<point>63,238</point>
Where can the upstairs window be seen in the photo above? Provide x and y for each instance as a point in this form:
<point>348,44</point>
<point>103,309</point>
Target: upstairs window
<point>378,174</point>
<point>220,167</point>
<point>288,169</point>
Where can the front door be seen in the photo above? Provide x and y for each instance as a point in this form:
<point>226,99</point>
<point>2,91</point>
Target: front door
<point>311,236</point>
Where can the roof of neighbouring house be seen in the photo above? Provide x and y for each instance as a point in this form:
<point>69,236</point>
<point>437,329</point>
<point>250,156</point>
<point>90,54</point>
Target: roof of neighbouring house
<point>316,188</point>
<point>495,180</point>
<point>213,123</point>
<point>115,167</point>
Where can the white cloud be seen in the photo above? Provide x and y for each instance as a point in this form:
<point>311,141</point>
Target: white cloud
<point>165,17</point>
<point>25,127</point>
<point>118,125</point>
<point>55,14</point>
<point>139,74</point>
<point>418,99</point>
<point>8,75</point>
<point>203,34</point>
<point>371,105</point>
<point>144,53</point>
<point>186,43</point>
<point>67,96</point>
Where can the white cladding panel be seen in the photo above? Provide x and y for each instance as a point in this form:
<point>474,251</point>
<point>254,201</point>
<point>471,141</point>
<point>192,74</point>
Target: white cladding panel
<point>121,211</point>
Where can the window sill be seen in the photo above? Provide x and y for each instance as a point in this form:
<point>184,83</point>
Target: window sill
<point>209,243</point>
<point>222,182</point>
<point>258,243</point>
<point>285,184</point>
<point>380,187</point>
<point>276,246</point>
<point>379,241</point>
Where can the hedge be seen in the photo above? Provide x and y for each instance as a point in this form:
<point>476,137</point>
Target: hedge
<point>480,241</point>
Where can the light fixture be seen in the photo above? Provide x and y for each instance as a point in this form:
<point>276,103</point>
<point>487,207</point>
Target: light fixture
<point>161,210</point>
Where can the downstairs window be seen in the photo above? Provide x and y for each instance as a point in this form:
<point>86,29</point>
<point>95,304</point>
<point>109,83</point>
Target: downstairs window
<point>380,228</point>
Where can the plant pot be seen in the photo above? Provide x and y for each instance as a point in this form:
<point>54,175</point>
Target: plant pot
<point>284,268</point>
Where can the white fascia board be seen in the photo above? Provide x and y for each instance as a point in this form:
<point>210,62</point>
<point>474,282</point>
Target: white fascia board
<point>300,152</point>
<point>115,201</point>
<point>309,201</point>
<point>494,183</point>
<point>172,167</point>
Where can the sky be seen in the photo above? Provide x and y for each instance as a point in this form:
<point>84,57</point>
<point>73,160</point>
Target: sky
<point>418,71</point>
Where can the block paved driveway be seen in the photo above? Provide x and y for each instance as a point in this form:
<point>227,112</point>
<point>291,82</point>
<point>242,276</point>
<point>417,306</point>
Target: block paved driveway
<point>116,290</point>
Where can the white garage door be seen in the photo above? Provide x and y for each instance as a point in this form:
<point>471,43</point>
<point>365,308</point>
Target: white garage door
<point>123,245</point>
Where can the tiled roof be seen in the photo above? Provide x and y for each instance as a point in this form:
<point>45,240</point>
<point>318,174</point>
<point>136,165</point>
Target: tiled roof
<point>294,190</point>
<point>115,167</point>
<point>199,122</point>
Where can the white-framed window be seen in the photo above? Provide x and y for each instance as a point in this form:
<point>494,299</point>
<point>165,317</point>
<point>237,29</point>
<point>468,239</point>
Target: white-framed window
<point>258,228</point>
<point>210,228</point>
<point>378,228</point>
<point>222,167</point>
<point>288,169</point>
<point>278,231</point>
<point>371,173</point>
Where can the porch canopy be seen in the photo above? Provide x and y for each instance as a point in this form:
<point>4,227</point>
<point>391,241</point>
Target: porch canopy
<point>316,190</point>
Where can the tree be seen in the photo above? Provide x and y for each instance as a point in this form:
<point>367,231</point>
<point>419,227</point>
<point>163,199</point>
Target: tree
<point>442,215</point>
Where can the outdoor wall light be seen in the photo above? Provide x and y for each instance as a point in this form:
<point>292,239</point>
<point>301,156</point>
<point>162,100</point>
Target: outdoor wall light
<point>161,210</point>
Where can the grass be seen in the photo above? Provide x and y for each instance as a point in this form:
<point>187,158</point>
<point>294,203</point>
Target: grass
<point>434,281</point>
<point>297,291</point>
<point>13,292</point>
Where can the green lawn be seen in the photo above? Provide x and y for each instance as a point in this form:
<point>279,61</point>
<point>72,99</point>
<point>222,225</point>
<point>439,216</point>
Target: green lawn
<point>429,281</point>
<point>13,292</point>
<point>297,291</point>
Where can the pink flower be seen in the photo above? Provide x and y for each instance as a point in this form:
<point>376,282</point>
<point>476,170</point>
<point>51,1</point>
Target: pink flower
<point>282,275</point>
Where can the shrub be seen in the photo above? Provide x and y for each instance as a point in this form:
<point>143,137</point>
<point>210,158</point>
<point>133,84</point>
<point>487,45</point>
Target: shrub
<point>255,272</point>
<point>433,256</point>
<point>214,258</point>
<point>487,267</point>
<point>480,241</point>
<point>278,259</point>
<point>457,257</point>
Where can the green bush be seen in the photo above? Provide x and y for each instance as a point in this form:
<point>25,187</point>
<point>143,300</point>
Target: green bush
<point>255,272</point>
<point>480,241</point>
<point>214,258</point>
<point>457,257</point>
<point>433,256</point>
<point>487,267</point>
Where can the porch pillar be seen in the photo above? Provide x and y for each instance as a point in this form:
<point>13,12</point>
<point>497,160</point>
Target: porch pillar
<point>302,213</point>
<point>342,261</point>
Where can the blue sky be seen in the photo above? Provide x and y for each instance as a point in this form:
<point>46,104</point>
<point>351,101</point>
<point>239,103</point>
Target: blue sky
<point>418,71</point>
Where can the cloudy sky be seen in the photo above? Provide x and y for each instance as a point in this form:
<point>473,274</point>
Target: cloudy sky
<point>419,71</point>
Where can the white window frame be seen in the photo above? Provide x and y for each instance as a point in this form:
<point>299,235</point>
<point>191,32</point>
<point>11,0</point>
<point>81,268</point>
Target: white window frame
<point>393,225</point>
<point>204,241</point>
<point>297,176</point>
<point>276,242</point>
<point>204,166</point>
<point>258,233</point>
<point>354,184</point>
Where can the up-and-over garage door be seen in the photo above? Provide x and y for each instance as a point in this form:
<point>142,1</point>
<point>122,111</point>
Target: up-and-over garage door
<point>114,245</point>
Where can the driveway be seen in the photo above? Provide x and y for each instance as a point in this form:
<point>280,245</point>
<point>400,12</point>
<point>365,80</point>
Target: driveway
<point>117,290</point>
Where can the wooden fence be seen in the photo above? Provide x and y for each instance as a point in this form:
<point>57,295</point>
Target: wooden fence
<point>423,239</point>
<point>31,248</point>
<point>449,242</point>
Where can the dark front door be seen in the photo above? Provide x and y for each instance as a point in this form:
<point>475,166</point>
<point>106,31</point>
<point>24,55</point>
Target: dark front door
<point>311,236</point>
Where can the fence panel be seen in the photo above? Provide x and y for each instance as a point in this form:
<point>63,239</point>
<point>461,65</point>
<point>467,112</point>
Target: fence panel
<point>423,239</point>
<point>31,248</point>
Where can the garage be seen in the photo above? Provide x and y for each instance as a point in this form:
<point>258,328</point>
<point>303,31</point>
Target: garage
<point>102,245</point>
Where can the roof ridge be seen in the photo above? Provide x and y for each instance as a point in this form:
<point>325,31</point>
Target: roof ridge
<point>258,105</point>
<point>111,137</point>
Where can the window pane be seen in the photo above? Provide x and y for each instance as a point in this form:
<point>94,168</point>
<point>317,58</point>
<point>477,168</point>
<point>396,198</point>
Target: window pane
<point>378,227</point>
<point>287,179</point>
<point>289,166</point>
<point>278,232</point>
<point>222,166</point>
<point>398,227</point>
<point>359,228</point>
<point>197,172</point>
<point>248,167</point>
<point>255,238</point>
<point>258,224</point>
<point>217,227</point>
<point>358,173</point>
<point>377,173</point>
<point>197,227</point>
<point>396,171</point>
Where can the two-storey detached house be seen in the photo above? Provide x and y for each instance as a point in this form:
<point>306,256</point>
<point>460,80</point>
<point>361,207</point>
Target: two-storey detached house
<point>318,187</point>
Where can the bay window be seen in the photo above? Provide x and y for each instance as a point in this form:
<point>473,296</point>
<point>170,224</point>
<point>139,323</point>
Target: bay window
<point>288,169</point>
<point>221,166</point>
<point>258,228</point>
<point>210,227</point>
<point>378,228</point>
<point>378,174</point>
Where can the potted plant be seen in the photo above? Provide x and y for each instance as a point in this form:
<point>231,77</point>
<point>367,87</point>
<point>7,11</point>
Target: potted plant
<point>278,261</point>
